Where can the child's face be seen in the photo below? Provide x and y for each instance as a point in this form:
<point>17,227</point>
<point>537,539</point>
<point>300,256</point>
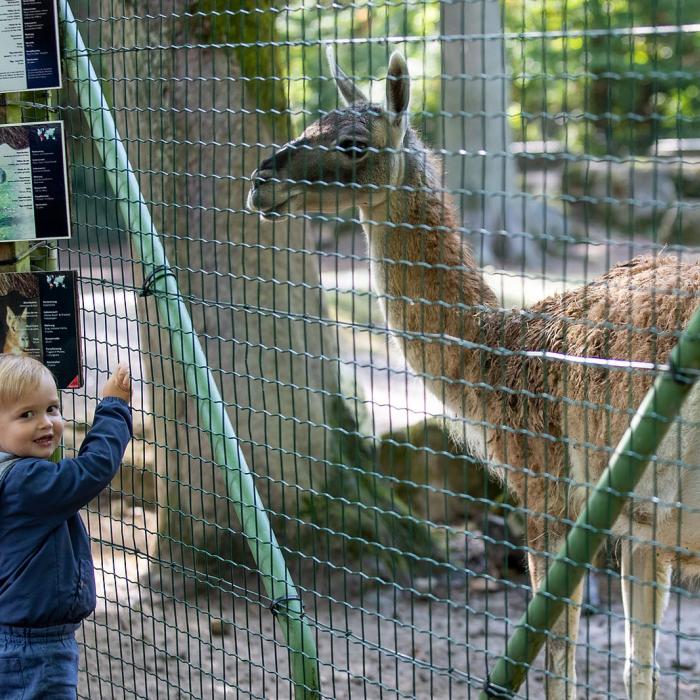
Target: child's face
<point>33,425</point>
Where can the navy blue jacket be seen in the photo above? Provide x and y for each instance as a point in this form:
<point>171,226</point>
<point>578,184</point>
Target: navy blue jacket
<point>46,572</point>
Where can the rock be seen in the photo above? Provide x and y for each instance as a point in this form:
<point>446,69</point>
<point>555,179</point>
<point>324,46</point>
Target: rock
<point>437,481</point>
<point>484,584</point>
<point>504,540</point>
<point>425,584</point>
<point>219,627</point>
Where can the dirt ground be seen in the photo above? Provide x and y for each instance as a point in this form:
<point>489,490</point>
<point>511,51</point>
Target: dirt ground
<point>425,639</point>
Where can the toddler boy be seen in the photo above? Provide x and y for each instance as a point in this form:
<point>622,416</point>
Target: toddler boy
<point>47,583</point>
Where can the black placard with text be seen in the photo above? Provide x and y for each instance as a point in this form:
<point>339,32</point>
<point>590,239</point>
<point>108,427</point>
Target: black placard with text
<point>39,317</point>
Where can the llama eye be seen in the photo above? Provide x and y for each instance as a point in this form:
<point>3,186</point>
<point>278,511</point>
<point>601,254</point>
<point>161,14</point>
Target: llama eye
<point>353,148</point>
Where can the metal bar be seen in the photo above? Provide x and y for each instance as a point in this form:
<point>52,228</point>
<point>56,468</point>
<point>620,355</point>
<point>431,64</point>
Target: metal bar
<point>200,383</point>
<point>627,465</point>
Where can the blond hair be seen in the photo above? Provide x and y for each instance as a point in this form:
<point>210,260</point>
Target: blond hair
<point>19,375</point>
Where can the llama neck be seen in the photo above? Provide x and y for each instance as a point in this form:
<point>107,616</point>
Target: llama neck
<point>419,258</point>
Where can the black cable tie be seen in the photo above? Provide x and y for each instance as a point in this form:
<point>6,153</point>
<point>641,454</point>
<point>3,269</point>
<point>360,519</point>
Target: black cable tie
<point>680,375</point>
<point>496,691</point>
<point>157,273</point>
<point>277,602</point>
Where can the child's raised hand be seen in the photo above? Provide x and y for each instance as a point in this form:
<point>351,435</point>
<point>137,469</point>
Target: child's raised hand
<point>119,384</point>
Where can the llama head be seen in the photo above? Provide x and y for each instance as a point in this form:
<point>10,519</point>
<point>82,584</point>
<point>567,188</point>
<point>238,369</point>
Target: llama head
<point>352,156</point>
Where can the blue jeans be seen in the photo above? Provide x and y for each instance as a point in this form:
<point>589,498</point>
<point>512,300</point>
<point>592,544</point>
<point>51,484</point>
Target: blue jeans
<point>38,663</point>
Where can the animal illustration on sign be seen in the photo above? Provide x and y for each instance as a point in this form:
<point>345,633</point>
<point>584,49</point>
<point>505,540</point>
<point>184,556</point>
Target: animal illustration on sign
<point>17,335</point>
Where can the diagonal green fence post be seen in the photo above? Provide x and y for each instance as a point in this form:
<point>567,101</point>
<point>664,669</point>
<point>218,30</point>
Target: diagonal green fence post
<point>188,350</point>
<point>652,420</point>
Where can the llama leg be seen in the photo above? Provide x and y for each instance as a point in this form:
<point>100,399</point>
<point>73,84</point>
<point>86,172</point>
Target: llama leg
<point>645,582</point>
<point>560,649</point>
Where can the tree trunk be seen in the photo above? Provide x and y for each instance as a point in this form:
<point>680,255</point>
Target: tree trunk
<point>477,137</point>
<point>192,134</point>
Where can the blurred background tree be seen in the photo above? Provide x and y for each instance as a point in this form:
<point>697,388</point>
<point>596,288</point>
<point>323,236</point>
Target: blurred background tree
<point>607,77</point>
<point>601,76</point>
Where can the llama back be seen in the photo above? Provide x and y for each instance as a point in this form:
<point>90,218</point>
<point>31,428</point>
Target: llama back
<point>635,312</point>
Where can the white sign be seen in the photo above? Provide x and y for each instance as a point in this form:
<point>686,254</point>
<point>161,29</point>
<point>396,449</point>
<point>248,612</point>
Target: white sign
<point>29,50</point>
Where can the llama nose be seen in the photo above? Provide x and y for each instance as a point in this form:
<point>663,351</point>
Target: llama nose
<point>260,175</point>
<point>255,196</point>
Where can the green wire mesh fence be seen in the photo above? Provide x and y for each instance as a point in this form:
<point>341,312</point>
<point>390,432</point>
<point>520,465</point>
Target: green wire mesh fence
<point>395,324</point>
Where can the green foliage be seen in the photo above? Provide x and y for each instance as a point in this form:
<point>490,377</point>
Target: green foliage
<point>303,27</point>
<point>597,75</point>
<point>592,73</point>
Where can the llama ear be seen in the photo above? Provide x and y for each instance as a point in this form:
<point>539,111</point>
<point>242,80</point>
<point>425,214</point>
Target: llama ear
<point>346,85</point>
<point>398,88</point>
<point>9,315</point>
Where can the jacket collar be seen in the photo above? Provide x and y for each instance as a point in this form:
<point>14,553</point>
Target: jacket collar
<point>6,457</point>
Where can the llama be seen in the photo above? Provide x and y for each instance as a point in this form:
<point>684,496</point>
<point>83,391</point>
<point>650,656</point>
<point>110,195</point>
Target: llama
<point>17,336</point>
<point>546,428</point>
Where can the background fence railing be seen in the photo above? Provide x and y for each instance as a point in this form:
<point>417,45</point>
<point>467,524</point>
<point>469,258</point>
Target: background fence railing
<point>568,136</point>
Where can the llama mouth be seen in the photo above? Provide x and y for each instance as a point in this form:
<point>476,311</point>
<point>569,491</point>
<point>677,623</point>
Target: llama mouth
<point>280,209</point>
<point>277,212</point>
<point>270,213</point>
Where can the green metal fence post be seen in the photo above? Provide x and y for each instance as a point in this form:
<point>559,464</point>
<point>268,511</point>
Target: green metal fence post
<point>627,465</point>
<point>188,350</point>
